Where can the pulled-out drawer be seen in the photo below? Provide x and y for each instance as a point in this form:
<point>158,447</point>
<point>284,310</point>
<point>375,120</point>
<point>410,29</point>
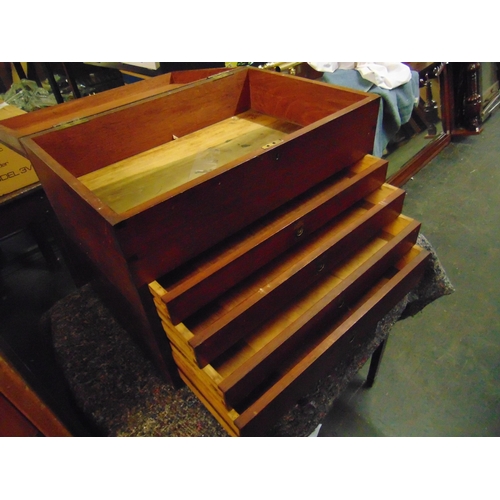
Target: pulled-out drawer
<point>252,352</point>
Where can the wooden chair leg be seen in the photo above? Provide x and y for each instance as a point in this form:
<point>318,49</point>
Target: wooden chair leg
<point>375,363</point>
<point>41,236</point>
<point>3,286</point>
<point>47,69</point>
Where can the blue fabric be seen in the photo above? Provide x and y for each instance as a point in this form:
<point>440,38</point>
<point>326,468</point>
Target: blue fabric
<point>396,105</point>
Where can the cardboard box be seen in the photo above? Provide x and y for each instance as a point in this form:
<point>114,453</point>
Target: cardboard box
<point>16,171</point>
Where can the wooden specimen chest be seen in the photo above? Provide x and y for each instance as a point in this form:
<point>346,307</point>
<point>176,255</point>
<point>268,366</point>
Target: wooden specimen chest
<point>248,204</point>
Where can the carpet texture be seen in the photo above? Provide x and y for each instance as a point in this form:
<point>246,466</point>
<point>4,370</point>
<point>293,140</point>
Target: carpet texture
<point>118,390</point>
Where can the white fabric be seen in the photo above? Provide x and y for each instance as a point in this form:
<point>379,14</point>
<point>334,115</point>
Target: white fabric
<point>387,75</point>
<point>330,67</point>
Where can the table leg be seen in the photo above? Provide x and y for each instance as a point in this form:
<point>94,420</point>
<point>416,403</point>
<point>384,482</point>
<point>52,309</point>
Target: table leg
<point>375,363</point>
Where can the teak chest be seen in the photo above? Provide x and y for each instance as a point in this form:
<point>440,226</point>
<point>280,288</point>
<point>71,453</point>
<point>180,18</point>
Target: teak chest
<point>248,204</point>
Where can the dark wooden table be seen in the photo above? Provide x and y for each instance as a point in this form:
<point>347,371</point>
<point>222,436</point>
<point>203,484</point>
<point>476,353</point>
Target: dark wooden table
<point>28,209</point>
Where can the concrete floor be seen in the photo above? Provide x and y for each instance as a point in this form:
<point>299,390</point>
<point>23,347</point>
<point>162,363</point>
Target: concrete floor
<point>440,371</point>
<point>439,375</point>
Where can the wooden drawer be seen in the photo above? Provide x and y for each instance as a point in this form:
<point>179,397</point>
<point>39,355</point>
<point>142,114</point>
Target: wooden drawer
<point>235,352</point>
<point>213,156</point>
